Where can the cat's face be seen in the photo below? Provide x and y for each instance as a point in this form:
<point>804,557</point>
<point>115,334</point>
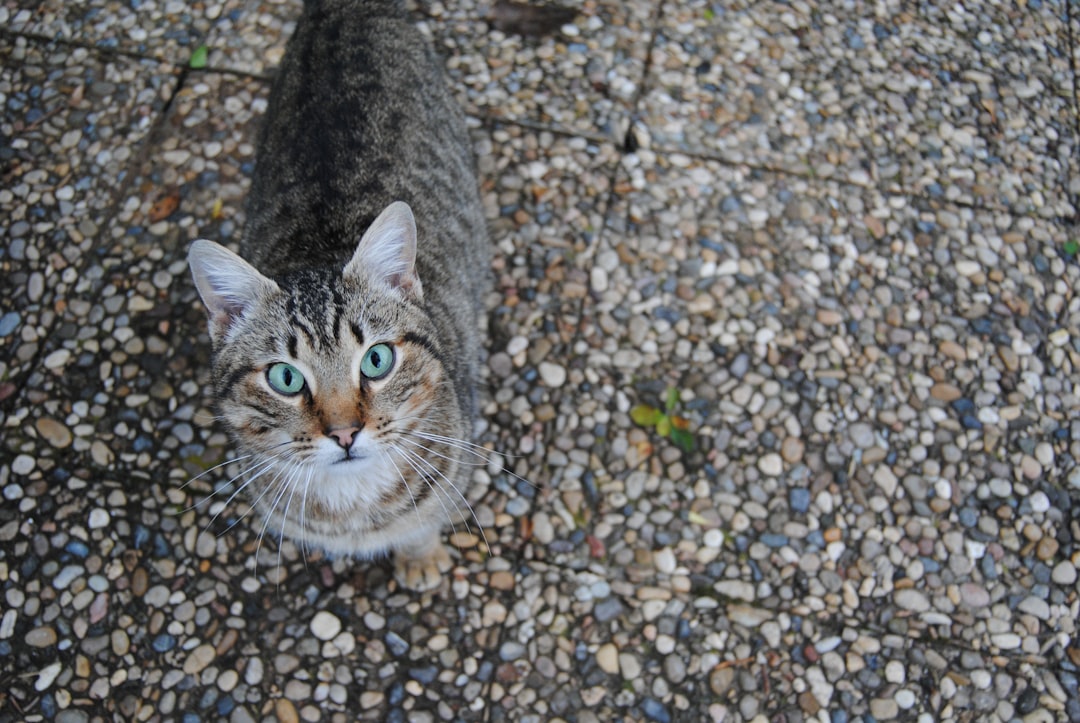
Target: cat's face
<point>333,383</point>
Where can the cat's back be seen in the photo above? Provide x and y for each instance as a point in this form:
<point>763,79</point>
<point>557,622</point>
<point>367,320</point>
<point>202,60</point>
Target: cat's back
<point>359,117</point>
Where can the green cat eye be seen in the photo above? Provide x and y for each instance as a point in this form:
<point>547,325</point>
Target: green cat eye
<point>377,361</point>
<point>285,378</point>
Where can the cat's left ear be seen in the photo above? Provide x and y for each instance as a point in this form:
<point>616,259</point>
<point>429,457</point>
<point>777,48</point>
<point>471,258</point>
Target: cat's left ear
<point>387,252</point>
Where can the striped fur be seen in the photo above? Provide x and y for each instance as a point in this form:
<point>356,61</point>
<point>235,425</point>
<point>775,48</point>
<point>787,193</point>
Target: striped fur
<point>359,118</point>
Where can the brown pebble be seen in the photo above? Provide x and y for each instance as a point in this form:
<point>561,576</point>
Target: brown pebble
<point>792,449</point>
<point>874,455</point>
<point>502,580</point>
<point>874,226</point>
<point>809,703</point>
<point>833,534</point>
<point>140,581</point>
<point>1009,358</point>
<point>120,641</point>
<point>507,674</point>
<point>939,504</point>
<point>56,433</point>
<point>285,711</point>
<point>544,413</point>
<point>41,637</point>
<point>227,642</point>
<point>1074,655</point>
<point>464,540</point>
<point>829,317</point>
<point>720,680</point>
<point>1046,549</point>
<point>945,392</point>
<point>953,350</point>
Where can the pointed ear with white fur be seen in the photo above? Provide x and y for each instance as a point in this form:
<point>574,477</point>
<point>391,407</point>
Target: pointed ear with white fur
<point>227,284</point>
<point>387,252</point>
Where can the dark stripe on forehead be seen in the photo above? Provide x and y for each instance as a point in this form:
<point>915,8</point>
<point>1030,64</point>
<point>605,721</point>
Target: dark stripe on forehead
<point>357,332</point>
<point>297,319</point>
<point>233,378</point>
<point>315,305</point>
<point>377,321</point>
<point>293,341</point>
<point>339,310</point>
<point>424,343</point>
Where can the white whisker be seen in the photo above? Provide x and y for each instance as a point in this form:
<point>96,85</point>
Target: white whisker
<point>285,477</point>
<point>404,481</point>
<point>260,468</point>
<point>217,466</point>
<point>304,549</point>
<point>440,475</point>
<point>469,448</point>
<point>411,458</point>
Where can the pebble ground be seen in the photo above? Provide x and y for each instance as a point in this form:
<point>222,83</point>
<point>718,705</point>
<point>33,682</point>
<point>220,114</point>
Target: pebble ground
<point>844,234</point>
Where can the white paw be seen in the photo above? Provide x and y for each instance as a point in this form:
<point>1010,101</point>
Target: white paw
<point>421,572</point>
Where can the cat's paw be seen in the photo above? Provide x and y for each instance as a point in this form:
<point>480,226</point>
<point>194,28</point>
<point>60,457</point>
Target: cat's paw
<point>421,571</point>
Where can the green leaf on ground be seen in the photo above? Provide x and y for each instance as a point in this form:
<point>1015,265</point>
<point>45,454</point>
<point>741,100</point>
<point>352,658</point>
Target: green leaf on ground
<point>199,57</point>
<point>683,439</point>
<point>672,399</point>
<point>645,416</point>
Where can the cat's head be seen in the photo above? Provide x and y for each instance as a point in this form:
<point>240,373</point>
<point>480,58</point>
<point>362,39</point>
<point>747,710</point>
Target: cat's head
<point>333,381</point>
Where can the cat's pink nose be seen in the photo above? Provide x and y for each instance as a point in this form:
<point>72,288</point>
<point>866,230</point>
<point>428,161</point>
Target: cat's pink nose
<point>344,436</point>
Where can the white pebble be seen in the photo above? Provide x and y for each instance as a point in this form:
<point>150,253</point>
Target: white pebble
<point>771,464</point>
<point>1064,573</point>
<point>665,561</point>
<point>713,539</point>
<point>23,464</point>
<point>981,679</point>
<point>325,626</point>
<point>516,345</point>
<point>740,589</point>
<point>1039,502</point>
<point>553,375</point>
<point>253,673</point>
<point>911,599</point>
<point>598,279</point>
<point>895,672</point>
<point>966,267</point>
<point>98,518</point>
<point>1006,641</point>
<point>47,675</point>
<point>57,359</point>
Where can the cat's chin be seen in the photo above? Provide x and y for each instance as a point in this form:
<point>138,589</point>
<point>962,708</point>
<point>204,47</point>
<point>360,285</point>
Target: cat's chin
<point>352,459</point>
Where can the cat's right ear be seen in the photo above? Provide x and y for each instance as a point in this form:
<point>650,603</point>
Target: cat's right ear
<point>227,284</point>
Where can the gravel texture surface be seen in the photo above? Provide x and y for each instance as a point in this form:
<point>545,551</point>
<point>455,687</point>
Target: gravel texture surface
<point>782,387</point>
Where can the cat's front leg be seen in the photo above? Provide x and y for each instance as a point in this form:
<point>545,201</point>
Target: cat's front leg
<point>420,565</point>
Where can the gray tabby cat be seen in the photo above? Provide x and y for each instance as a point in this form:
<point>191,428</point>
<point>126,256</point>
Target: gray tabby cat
<point>346,346</point>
